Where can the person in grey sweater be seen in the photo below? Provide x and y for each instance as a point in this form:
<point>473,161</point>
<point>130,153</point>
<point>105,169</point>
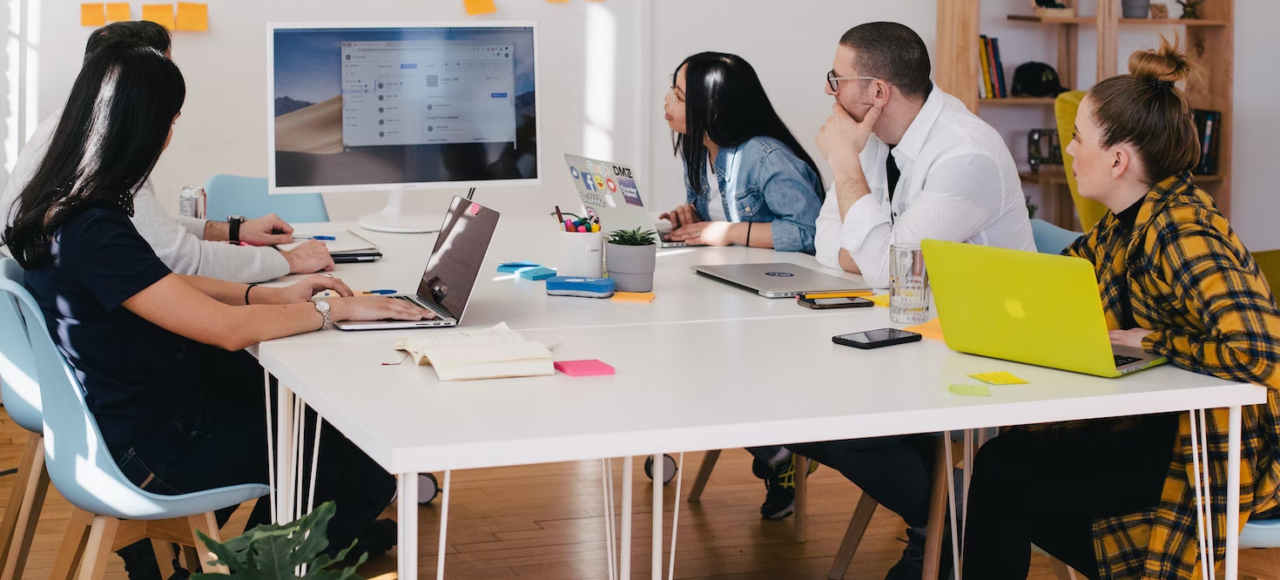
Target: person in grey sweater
<point>186,245</point>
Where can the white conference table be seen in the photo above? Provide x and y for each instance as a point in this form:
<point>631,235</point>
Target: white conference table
<point>702,367</point>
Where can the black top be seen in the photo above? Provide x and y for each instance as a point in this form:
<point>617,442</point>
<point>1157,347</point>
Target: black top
<point>894,174</point>
<point>135,374</point>
<point>1129,216</point>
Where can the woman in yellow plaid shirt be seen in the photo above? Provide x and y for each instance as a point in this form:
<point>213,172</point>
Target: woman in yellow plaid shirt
<point>1113,498</point>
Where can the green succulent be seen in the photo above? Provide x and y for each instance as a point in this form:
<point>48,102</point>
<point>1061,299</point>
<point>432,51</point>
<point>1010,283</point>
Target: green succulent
<point>634,237</point>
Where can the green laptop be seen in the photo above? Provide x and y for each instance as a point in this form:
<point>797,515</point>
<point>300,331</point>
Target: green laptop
<point>1026,307</point>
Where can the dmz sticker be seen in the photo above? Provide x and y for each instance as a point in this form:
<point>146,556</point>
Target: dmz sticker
<point>780,274</point>
<point>630,192</point>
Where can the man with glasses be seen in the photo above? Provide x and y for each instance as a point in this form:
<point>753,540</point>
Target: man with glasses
<point>910,162</point>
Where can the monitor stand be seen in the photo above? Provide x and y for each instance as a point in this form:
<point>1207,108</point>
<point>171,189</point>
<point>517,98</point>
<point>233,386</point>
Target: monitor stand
<point>392,218</point>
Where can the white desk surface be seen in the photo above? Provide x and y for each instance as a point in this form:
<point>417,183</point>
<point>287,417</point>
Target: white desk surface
<point>694,386</point>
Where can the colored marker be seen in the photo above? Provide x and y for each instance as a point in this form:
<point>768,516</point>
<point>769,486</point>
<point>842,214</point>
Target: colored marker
<point>380,292</point>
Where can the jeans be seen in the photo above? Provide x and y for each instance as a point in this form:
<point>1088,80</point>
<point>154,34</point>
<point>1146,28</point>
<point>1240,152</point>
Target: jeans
<point>896,471</point>
<point>1029,488</point>
<point>223,443</point>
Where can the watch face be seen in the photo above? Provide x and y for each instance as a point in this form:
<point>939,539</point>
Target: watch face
<point>322,306</point>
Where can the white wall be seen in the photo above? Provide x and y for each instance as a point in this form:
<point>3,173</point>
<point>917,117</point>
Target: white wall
<point>586,63</point>
<point>587,48</point>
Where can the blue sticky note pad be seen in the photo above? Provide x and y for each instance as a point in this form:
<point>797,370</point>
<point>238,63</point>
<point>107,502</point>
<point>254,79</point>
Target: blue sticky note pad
<point>537,273</point>
<point>580,286</point>
<point>513,267</point>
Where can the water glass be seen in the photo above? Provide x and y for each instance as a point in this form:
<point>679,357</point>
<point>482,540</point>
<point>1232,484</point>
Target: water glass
<point>908,285</point>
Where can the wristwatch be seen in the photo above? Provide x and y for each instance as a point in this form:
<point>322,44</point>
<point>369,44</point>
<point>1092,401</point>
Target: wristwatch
<point>322,306</point>
<point>234,223</point>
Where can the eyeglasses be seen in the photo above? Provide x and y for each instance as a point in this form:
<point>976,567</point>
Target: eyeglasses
<point>833,81</point>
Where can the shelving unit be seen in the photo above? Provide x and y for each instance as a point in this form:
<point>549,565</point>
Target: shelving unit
<point>1210,40</point>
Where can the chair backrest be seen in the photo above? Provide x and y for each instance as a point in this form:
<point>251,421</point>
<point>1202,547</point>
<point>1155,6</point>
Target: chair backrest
<point>79,463</point>
<point>1269,262</point>
<point>230,195</point>
<point>1065,108</point>
<point>18,385</point>
<point>1051,239</point>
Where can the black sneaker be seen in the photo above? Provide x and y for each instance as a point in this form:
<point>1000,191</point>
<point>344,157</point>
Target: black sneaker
<point>911,566</point>
<point>780,487</point>
<point>377,539</point>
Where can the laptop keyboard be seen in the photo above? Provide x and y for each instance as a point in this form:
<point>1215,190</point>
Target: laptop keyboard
<point>1125,360</point>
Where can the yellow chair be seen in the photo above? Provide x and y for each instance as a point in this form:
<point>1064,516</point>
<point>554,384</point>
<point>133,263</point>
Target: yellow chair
<point>1269,262</point>
<point>1065,108</point>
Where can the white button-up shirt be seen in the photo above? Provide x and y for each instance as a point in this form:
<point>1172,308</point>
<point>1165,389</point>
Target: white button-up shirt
<point>958,183</point>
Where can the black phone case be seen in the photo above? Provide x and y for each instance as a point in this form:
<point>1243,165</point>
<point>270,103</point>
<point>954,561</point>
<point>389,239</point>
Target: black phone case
<point>815,306</point>
<point>875,345</point>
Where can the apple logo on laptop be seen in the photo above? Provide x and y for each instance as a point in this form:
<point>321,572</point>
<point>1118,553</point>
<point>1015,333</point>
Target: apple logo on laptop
<point>1015,308</point>
<point>780,274</point>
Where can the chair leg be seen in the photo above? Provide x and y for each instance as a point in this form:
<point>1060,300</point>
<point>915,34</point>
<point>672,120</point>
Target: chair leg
<point>164,556</point>
<point>73,545</point>
<point>704,474</point>
<point>1061,570</point>
<point>208,525</point>
<point>937,513</point>
<point>97,551</point>
<point>802,496</point>
<point>20,519</point>
<point>853,536</point>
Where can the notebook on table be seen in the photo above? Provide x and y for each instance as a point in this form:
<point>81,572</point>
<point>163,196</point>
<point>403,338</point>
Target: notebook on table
<point>347,247</point>
<point>492,353</point>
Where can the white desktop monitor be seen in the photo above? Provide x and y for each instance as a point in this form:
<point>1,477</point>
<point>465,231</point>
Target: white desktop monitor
<point>356,107</point>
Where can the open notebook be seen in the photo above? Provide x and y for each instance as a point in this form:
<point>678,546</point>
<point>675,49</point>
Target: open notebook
<point>492,353</point>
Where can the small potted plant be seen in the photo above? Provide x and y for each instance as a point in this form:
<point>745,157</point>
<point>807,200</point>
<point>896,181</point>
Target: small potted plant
<point>631,258</point>
<point>270,552</point>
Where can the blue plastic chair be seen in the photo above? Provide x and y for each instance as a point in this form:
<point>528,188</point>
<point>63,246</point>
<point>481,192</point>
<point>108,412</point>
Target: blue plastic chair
<point>21,395</point>
<point>230,195</point>
<point>84,472</point>
<point>1051,239</point>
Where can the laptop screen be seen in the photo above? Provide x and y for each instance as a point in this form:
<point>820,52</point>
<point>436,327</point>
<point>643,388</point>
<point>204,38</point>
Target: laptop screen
<point>458,256</point>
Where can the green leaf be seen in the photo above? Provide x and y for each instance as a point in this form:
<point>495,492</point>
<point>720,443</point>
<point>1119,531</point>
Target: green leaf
<point>271,552</point>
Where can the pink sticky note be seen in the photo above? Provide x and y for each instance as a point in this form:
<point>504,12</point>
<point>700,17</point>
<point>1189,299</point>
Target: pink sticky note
<point>584,368</point>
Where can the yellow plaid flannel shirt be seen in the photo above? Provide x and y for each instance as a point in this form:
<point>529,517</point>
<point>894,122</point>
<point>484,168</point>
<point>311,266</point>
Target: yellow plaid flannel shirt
<point>1193,283</point>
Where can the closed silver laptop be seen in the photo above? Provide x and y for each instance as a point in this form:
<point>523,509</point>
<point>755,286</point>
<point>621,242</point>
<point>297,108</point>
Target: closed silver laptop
<point>779,280</point>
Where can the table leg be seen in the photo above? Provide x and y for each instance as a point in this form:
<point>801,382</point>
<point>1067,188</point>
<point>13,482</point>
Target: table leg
<point>628,468</point>
<point>407,520</point>
<point>444,524</point>
<point>284,450</point>
<point>1233,493</point>
<point>605,470</point>
<point>951,498</point>
<point>658,463</point>
<point>271,460</point>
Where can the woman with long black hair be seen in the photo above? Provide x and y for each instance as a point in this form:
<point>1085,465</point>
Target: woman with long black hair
<point>748,181</point>
<point>160,355</point>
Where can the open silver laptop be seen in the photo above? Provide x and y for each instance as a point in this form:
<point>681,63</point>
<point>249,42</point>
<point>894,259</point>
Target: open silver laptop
<point>609,191</point>
<point>779,280</point>
<point>451,271</point>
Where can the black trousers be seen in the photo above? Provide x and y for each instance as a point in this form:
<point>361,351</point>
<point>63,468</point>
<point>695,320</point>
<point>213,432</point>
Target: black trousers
<point>1029,488</point>
<point>896,471</point>
<point>223,443</point>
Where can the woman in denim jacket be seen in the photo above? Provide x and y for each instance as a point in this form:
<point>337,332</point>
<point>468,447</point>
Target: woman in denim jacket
<point>748,181</point>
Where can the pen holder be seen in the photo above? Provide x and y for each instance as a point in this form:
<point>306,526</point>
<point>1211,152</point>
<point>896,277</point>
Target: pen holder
<point>581,254</point>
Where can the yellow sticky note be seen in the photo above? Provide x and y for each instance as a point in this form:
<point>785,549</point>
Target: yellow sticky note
<point>118,12</point>
<point>92,15</point>
<point>931,329</point>
<point>161,14</point>
<point>193,17</point>
<point>558,1</point>
<point>970,390</point>
<point>643,297</point>
<point>999,378</point>
<point>478,7</point>
<point>881,300</point>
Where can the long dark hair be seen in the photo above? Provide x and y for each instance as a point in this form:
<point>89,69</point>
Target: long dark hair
<point>110,136</point>
<point>724,100</point>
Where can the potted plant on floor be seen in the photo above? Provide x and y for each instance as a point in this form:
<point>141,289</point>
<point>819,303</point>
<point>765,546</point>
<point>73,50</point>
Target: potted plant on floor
<point>631,258</point>
<point>269,552</point>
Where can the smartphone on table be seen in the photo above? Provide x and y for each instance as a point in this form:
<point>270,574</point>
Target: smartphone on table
<point>830,303</point>
<point>876,338</point>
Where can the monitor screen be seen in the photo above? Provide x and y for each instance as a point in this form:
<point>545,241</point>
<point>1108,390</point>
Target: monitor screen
<point>416,106</point>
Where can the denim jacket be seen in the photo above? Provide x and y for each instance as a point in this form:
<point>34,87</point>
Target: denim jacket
<point>762,181</point>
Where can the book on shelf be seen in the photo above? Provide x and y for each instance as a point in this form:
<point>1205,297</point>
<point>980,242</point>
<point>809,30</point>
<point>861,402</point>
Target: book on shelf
<point>985,82</point>
<point>1003,89</point>
<point>992,84</point>
<point>1209,130</point>
<point>492,353</point>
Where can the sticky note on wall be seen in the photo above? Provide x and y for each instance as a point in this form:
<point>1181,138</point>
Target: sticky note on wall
<point>193,17</point>
<point>118,12</point>
<point>161,14</point>
<point>92,15</point>
<point>478,7</point>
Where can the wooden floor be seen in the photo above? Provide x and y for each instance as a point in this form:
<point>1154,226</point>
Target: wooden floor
<point>544,522</point>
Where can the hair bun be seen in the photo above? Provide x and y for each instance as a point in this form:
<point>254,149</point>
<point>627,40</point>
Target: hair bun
<point>1165,65</point>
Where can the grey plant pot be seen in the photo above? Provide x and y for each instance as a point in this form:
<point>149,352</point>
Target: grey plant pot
<point>632,267</point>
<point>1136,8</point>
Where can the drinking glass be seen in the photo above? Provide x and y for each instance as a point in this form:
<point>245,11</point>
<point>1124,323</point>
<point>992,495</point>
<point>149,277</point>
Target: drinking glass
<point>908,285</point>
